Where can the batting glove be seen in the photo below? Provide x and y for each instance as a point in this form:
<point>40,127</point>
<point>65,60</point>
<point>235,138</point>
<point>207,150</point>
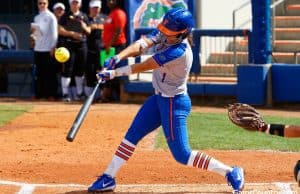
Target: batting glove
<point>106,74</point>
<point>111,63</point>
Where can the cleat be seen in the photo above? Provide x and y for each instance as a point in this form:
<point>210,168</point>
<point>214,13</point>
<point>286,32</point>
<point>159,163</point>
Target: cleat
<point>66,98</point>
<point>80,97</point>
<point>235,178</point>
<point>103,183</point>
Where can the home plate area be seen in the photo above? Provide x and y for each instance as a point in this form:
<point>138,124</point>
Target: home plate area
<point>250,188</point>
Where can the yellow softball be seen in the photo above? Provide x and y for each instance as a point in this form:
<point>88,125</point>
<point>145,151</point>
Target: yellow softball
<point>62,54</point>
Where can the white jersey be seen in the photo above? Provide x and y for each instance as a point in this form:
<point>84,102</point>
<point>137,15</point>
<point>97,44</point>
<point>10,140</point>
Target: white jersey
<point>46,31</point>
<point>175,62</point>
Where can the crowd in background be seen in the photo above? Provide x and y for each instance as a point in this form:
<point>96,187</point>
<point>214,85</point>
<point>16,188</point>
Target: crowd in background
<point>85,35</point>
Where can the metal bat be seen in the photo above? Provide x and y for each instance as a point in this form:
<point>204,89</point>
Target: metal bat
<point>81,114</point>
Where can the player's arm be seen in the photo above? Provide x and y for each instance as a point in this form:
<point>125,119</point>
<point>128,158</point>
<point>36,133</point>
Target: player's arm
<point>146,65</point>
<point>282,130</point>
<point>87,29</point>
<point>63,32</point>
<point>136,48</point>
<point>245,116</point>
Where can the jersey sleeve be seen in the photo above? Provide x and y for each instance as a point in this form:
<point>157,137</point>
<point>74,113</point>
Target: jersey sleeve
<point>155,36</point>
<point>170,54</point>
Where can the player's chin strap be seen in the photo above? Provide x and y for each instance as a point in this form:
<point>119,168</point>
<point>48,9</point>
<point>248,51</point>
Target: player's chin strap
<point>180,37</point>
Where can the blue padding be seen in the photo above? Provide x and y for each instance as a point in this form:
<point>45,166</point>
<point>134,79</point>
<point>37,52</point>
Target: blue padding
<point>285,82</point>
<point>252,83</point>
<point>194,89</point>
<point>16,57</point>
<point>220,89</point>
<point>138,87</point>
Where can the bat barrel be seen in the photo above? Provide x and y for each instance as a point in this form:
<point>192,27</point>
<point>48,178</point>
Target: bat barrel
<point>81,115</point>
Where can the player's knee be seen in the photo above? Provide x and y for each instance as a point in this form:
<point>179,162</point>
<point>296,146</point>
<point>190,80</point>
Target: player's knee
<point>181,156</point>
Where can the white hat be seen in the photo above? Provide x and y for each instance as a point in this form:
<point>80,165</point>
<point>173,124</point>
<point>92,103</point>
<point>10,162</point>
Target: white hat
<point>70,1</point>
<point>57,5</point>
<point>95,3</point>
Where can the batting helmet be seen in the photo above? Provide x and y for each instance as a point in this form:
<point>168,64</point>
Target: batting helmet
<point>177,21</point>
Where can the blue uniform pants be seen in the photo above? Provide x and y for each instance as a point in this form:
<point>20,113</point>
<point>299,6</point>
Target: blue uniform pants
<point>171,114</point>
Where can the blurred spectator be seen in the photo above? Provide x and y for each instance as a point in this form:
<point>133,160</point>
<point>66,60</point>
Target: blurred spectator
<point>114,36</point>
<point>58,10</point>
<point>73,27</point>
<point>44,33</point>
<point>94,41</point>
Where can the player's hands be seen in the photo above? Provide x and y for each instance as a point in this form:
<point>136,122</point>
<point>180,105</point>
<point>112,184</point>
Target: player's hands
<point>111,63</point>
<point>106,74</point>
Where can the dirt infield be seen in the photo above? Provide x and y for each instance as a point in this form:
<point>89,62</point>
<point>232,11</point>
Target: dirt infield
<point>34,150</point>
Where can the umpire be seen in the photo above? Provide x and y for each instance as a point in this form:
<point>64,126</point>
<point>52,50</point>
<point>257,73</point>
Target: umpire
<point>73,27</point>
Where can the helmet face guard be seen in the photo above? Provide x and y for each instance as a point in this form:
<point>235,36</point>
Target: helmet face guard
<point>176,22</point>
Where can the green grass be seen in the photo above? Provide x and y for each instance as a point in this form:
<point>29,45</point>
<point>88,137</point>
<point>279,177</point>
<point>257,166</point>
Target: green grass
<point>10,112</point>
<point>215,131</point>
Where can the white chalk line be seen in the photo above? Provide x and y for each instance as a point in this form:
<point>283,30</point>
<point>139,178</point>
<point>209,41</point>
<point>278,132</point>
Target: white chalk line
<point>28,188</point>
<point>285,188</point>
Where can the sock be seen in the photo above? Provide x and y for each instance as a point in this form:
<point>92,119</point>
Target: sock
<point>65,83</point>
<point>123,153</point>
<point>79,84</point>
<point>201,160</point>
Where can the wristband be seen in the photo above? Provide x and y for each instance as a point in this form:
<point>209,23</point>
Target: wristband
<point>116,58</point>
<point>122,71</point>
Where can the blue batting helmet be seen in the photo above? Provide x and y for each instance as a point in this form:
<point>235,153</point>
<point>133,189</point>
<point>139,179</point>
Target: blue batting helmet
<point>176,21</point>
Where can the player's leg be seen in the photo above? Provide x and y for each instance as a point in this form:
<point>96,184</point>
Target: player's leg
<point>146,121</point>
<point>174,113</point>
<point>90,72</point>
<point>67,69</point>
<point>79,66</point>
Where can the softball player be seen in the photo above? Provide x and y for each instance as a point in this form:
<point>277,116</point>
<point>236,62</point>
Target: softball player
<point>170,106</point>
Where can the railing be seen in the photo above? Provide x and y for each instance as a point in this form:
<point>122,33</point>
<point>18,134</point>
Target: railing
<point>219,37</point>
<point>235,12</point>
<point>206,42</point>
<point>273,7</point>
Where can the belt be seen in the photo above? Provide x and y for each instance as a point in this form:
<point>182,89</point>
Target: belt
<point>162,94</point>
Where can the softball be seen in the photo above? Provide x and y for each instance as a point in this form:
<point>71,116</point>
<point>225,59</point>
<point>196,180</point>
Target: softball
<point>62,54</point>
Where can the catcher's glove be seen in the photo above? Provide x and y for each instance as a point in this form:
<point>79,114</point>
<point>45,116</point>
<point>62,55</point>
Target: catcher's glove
<point>245,116</point>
